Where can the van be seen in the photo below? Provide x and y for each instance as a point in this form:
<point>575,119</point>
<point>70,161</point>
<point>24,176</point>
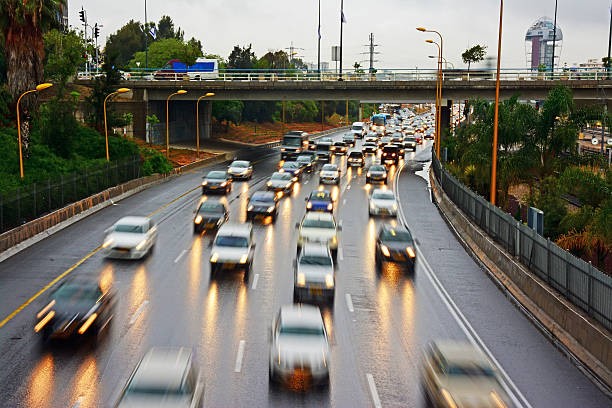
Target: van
<point>358,129</point>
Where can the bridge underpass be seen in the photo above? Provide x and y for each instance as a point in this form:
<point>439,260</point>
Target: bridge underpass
<point>149,97</point>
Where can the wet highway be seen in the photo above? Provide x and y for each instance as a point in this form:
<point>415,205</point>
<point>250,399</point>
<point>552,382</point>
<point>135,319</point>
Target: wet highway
<point>378,324</point>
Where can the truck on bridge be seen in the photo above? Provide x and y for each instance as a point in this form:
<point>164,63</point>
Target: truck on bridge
<point>204,68</point>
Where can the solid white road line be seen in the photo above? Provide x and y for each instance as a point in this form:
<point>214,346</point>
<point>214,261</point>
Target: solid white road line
<point>349,302</point>
<point>239,356</point>
<point>372,385</point>
<point>178,258</point>
<point>515,394</point>
<point>255,280</point>
<point>344,201</point>
<point>340,254</point>
<point>138,312</point>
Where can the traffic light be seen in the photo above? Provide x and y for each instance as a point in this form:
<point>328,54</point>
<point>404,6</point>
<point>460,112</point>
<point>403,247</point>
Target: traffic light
<point>96,31</point>
<point>82,15</point>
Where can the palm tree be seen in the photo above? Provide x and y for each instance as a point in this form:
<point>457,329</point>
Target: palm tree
<point>23,23</point>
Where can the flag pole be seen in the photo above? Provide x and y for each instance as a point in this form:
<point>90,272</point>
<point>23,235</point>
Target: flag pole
<point>341,22</point>
<point>319,45</point>
<point>146,40</point>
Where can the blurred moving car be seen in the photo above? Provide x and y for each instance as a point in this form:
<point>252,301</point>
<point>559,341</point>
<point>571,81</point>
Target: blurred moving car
<point>209,215</point>
<point>79,306</point>
<point>395,244</point>
<point>314,275</point>
<point>457,374</point>
<point>358,129</point>
<point>300,347</point>
<point>429,134</point>
<point>293,168</point>
<point>262,204</point>
<point>369,147</point>
<point>217,181</point>
<point>329,174</point>
<point>130,238</point>
<point>349,139</point>
<point>339,148</point>
<point>165,377</point>
<point>240,170</point>
<point>320,201</point>
<point>281,182</point>
<point>355,158</point>
<point>306,161</point>
<point>318,227</point>
<point>377,173</point>
<point>410,143</point>
<point>232,248</point>
<point>400,148</point>
<point>382,202</point>
<point>390,155</point>
<point>419,138</point>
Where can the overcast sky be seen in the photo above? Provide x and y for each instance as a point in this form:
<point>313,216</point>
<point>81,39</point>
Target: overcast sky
<point>274,24</point>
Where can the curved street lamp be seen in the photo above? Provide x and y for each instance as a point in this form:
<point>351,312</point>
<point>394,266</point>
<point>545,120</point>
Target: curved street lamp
<point>198,120</point>
<point>446,63</point>
<point>179,92</point>
<point>496,121</point>
<point>438,112</point>
<point>38,88</point>
<point>118,91</point>
<point>438,98</point>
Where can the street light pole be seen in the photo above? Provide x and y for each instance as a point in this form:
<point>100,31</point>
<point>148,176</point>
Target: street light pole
<point>198,121</point>
<point>118,91</point>
<point>552,65</point>
<point>496,121</point>
<point>609,44</point>
<point>38,89</point>
<point>319,44</point>
<point>438,111</point>
<point>438,98</point>
<point>341,23</point>
<point>179,92</point>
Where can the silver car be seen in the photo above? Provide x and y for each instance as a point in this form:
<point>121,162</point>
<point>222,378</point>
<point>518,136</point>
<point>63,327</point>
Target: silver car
<point>314,276</point>
<point>300,347</point>
<point>329,174</point>
<point>281,182</point>
<point>240,170</point>
<point>165,377</point>
<point>233,248</point>
<point>130,238</point>
<point>382,202</point>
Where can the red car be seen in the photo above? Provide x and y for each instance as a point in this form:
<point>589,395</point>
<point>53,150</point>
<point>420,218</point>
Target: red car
<point>419,138</point>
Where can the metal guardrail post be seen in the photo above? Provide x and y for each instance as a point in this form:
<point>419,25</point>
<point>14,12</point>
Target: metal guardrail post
<point>548,260</point>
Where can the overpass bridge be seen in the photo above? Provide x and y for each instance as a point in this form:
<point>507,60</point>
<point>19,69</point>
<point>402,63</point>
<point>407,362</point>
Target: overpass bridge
<point>402,86</point>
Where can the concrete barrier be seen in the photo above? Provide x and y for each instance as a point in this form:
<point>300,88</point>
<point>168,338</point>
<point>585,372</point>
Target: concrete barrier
<point>585,338</point>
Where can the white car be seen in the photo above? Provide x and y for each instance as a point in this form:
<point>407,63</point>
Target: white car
<point>314,276</point>
<point>165,377</point>
<point>329,174</point>
<point>382,202</point>
<point>318,227</point>
<point>130,238</point>
<point>240,169</point>
<point>299,349</point>
<point>359,129</point>
<point>233,248</point>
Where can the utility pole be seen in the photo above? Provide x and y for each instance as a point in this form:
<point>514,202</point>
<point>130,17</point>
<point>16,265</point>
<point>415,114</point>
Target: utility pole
<point>146,39</point>
<point>609,43</point>
<point>341,23</point>
<point>319,44</point>
<point>292,52</point>
<point>371,53</point>
<point>554,41</point>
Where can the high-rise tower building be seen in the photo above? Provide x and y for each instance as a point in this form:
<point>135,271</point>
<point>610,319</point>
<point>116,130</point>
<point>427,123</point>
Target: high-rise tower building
<point>539,44</point>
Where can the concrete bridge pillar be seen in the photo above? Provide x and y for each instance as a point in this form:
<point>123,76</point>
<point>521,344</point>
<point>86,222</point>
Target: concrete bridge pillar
<point>445,116</point>
<point>182,122</point>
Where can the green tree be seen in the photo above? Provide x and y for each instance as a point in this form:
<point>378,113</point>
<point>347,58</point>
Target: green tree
<point>227,111</point>
<point>162,51</point>
<point>64,54</point>
<point>474,55</point>
<point>548,199</point>
<point>102,86</point>
<point>127,41</point>
<point>241,58</point>
<point>165,29</point>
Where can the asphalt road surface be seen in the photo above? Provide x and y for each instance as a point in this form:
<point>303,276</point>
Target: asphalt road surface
<point>378,325</point>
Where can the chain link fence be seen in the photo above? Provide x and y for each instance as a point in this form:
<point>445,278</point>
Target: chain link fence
<point>27,203</point>
<point>578,281</point>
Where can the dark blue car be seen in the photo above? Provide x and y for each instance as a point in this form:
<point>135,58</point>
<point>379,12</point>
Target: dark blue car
<point>320,201</point>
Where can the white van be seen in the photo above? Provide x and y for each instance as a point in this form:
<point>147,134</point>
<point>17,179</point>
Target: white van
<point>359,129</point>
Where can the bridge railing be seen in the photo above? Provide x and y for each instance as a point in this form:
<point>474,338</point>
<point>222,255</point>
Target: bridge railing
<point>578,281</point>
<point>508,74</point>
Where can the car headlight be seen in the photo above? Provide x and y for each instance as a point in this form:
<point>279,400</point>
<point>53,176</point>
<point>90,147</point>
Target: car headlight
<point>329,281</point>
<point>244,258</point>
<point>394,207</point>
<point>107,243</point>
<point>269,183</point>
<point>250,208</point>
<point>368,174</point>
<point>294,179</point>
<point>301,279</point>
<point>410,252</point>
<point>204,183</point>
<point>309,205</point>
<point>283,149</point>
<point>384,175</point>
<point>214,258</point>
<point>385,250</point>
<point>450,402</point>
<point>281,170</point>
<point>198,219</point>
<point>223,184</point>
<point>141,245</point>
<point>334,240</point>
<point>271,208</point>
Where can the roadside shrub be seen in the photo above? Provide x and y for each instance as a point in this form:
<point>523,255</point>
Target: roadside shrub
<point>154,162</point>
